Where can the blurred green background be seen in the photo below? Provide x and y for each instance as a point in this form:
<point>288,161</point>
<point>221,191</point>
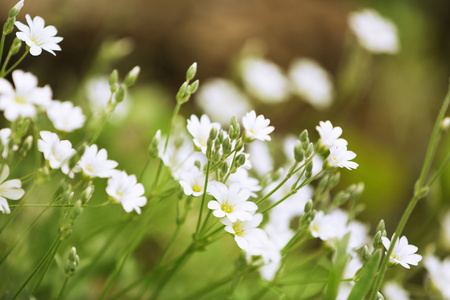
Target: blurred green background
<point>388,126</point>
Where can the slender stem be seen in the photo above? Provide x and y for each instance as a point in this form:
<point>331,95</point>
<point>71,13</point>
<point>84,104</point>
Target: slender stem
<point>203,198</point>
<point>3,73</point>
<point>2,45</point>
<point>210,287</point>
<point>48,264</point>
<point>147,163</point>
<point>440,170</point>
<point>40,264</point>
<point>432,145</point>
<point>61,292</point>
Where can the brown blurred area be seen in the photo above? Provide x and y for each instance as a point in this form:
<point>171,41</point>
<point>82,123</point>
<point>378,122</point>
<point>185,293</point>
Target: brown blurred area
<point>395,115</point>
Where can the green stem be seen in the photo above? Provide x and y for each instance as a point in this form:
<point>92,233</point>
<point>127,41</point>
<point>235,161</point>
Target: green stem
<point>210,287</point>
<point>2,45</point>
<point>61,292</point>
<point>203,199</point>
<point>47,266</point>
<point>432,145</point>
<point>49,252</point>
<point>439,172</point>
<point>3,73</point>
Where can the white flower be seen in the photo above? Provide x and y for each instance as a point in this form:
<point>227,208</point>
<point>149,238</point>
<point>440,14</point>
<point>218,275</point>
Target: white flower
<point>10,189</point>
<point>260,157</point>
<point>329,227</point>
<point>125,189</point>
<point>200,129</point>
<point>246,234</point>
<point>374,33</point>
<point>193,182</point>
<point>264,80</point>
<point>439,272</point>
<point>403,253</point>
<point>256,128</point>
<point>23,100</point>
<point>246,182</point>
<point>95,163</point>
<point>65,116</point>
<point>311,82</point>
<point>221,99</point>
<point>38,37</point>
<point>55,151</point>
<point>340,157</point>
<point>329,135</point>
<point>394,291</point>
<point>98,94</point>
<point>230,202</point>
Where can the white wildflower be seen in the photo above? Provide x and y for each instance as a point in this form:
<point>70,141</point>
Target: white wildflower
<point>56,152</point>
<point>124,189</point>
<point>22,101</point>
<point>231,202</point>
<point>38,37</point>
<point>10,189</point>
<point>193,182</point>
<point>439,272</point>
<point>95,163</point>
<point>200,129</point>
<point>394,291</point>
<point>340,157</point>
<point>402,253</point>
<point>329,135</point>
<point>256,128</point>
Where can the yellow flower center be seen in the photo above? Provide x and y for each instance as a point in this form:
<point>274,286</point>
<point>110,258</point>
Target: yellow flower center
<point>19,100</point>
<point>227,207</point>
<point>238,228</point>
<point>395,256</point>
<point>196,188</point>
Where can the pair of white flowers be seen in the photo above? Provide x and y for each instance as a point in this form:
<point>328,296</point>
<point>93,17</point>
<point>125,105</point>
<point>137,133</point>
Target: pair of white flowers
<point>27,98</point>
<point>122,187</point>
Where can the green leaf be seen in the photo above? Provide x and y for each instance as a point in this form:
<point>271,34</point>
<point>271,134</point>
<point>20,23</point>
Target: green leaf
<point>367,277</point>
<point>335,275</point>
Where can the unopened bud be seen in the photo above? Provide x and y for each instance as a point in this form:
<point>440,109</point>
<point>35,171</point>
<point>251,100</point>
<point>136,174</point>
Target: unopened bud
<point>334,180</point>
<point>212,133</point>
<point>305,144</point>
<point>299,155</point>
<point>9,25</point>
<point>220,136</point>
<point>381,226</point>
<point>113,85</point>
<point>310,150</point>
<point>182,95</point>
<point>341,198</point>
<point>304,136</point>
<point>308,206</point>
<point>309,167</point>
<point>26,146</point>
<point>153,149</point>
<point>120,94</point>
<point>15,47</point>
<point>379,296</point>
<point>365,254</point>
<point>132,76</point>
<point>226,146</point>
<point>240,160</point>
<point>377,243</point>
<point>193,87</point>
<point>239,145</point>
<point>190,74</point>
<point>87,193</point>
<point>16,9</point>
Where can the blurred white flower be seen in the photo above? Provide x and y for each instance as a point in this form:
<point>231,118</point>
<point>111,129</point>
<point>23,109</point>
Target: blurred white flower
<point>329,135</point>
<point>56,152</point>
<point>439,272</point>
<point>394,291</point>
<point>264,80</point>
<point>200,129</point>
<point>230,202</point>
<point>445,232</point>
<point>403,253</point>
<point>375,33</point>
<point>246,182</point>
<point>329,227</point>
<point>260,157</point>
<point>95,163</point>
<point>38,37</point>
<point>22,101</point>
<point>5,135</point>
<point>340,157</point>
<point>98,94</point>
<point>124,189</point>
<point>10,189</point>
<point>65,116</point>
<point>246,234</point>
<point>221,99</point>
<point>311,82</point>
<point>256,128</point>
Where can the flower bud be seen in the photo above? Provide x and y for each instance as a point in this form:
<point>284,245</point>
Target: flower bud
<point>132,76</point>
<point>87,193</point>
<point>379,296</point>
<point>304,136</point>
<point>220,136</point>
<point>226,146</point>
<point>334,180</point>
<point>9,25</point>
<point>299,155</point>
<point>305,144</point>
<point>239,145</point>
<point>120,94</point>
<point>341,198</point>
<point>193,87</point>
<point>26,146</point>
<point>308,206</point>
<point>308,174</point>
<point>153,149</point>
<point>377,243</point>
<point>15,47</point>
<point>16,9</point>
<point>72,263</point>
<point>182,92</point>
<point>381,226</point>
<point>240,160</point>
<point>190,74</point>
<point>113,81</point>
<point>309,167</point>
<point>212,133</point>
<point>365,254</point>
<point>309,151</point>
